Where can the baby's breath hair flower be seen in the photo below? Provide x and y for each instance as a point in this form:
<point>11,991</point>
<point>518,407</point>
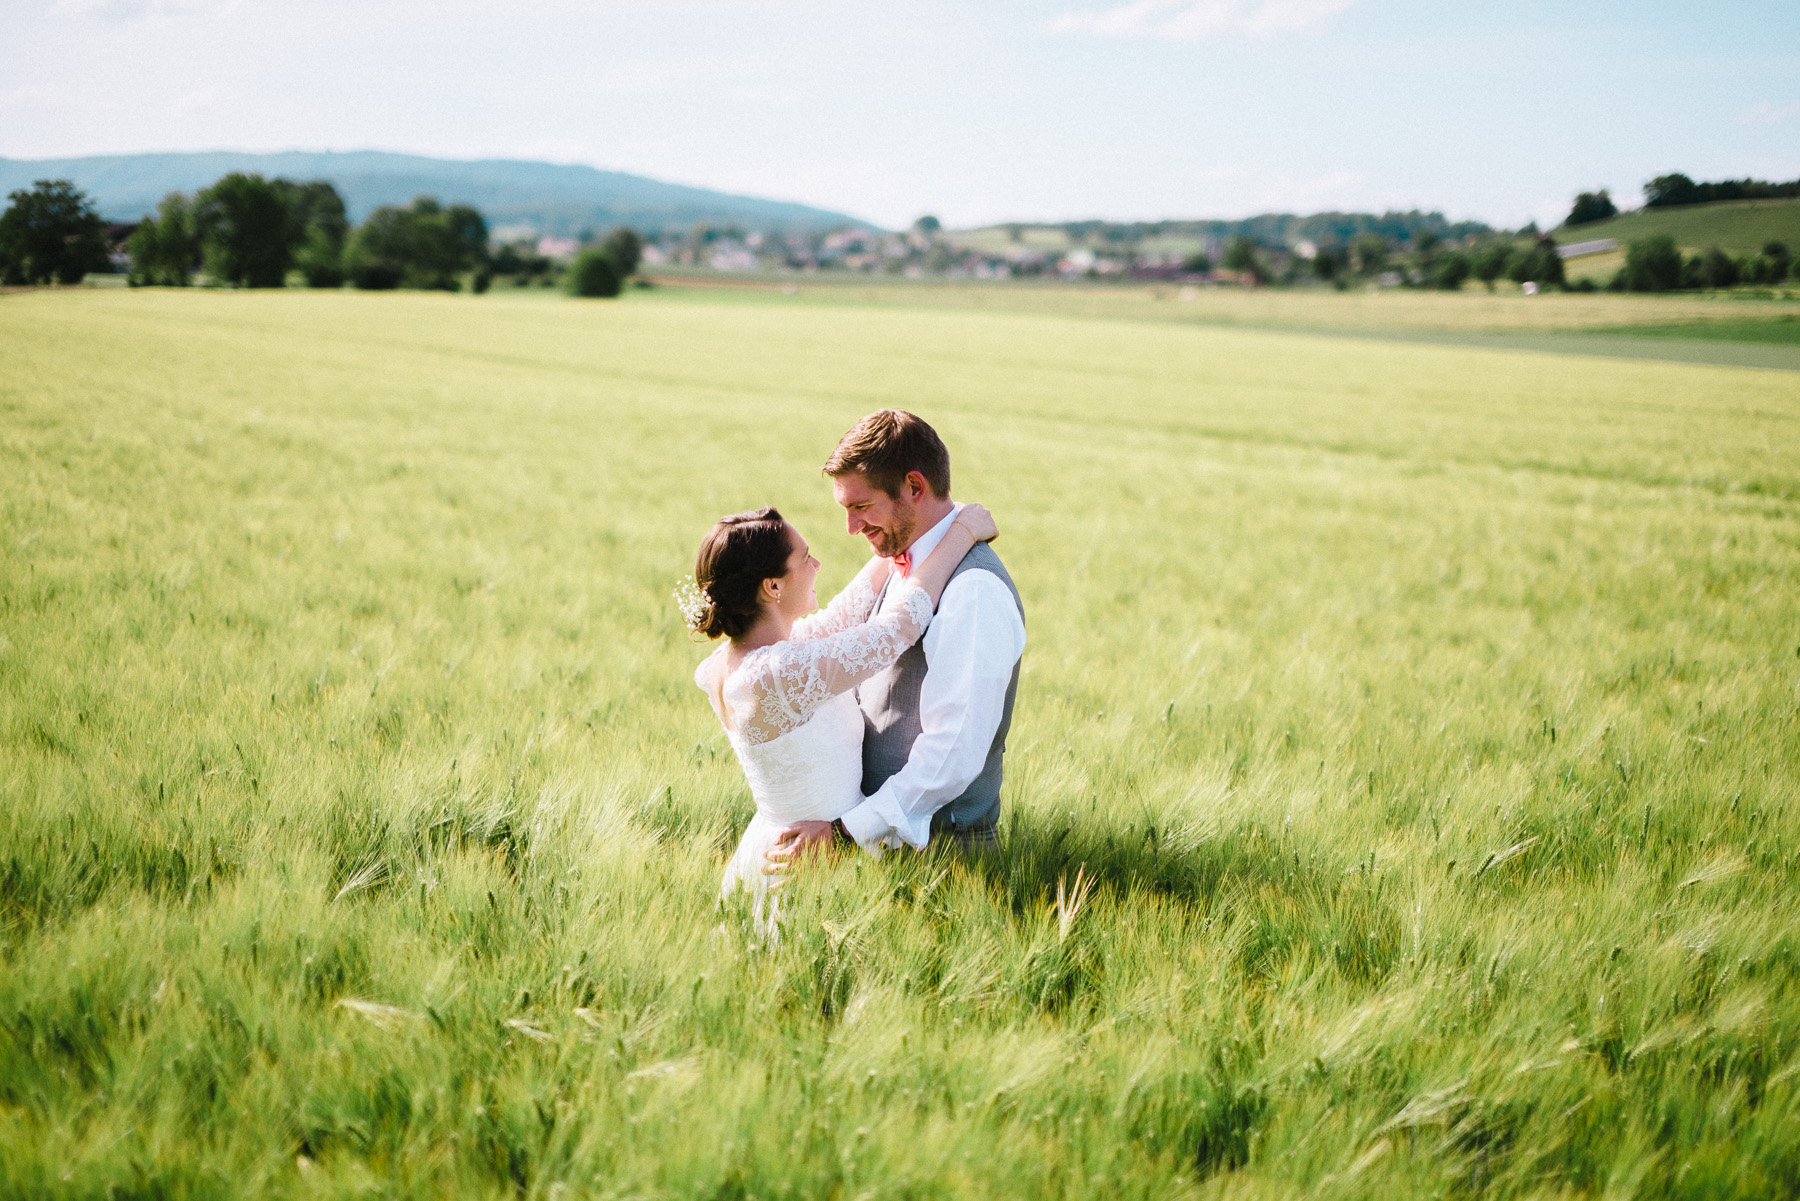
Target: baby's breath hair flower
<point>693,603</point>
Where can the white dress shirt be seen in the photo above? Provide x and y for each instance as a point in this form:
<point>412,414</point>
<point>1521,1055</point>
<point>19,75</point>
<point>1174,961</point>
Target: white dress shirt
<point>970,649</point>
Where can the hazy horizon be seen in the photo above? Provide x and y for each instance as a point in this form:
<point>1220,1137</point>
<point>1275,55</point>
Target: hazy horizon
<point>303,152</point>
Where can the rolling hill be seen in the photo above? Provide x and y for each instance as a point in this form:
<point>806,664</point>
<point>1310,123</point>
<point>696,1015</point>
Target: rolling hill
<point>553,198</point>
<point>1735,226</point>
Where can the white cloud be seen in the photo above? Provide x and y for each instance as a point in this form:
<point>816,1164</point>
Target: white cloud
<point>132,10</point>
<point>191,103</point>
<point>1192,20</point>
<point>552,150</point>
<point>1548,212</point>
<point>14,99</point>
<point>1243,189</point>
<point>1767,114</point>
<point>767,96</point>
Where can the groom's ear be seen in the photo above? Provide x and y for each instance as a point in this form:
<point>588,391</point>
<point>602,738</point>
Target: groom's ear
<point>917,488</point>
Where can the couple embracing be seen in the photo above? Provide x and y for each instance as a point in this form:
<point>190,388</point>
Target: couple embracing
<point>881,719</point>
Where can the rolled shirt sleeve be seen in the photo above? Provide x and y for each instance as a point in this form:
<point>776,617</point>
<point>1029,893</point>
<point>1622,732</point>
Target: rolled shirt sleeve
<point>970,649</point>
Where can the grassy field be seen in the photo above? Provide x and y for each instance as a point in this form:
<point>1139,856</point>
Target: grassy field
<point>1600,267</point>
<point>1779,331</point>
<point>1401,799</point>
<point>1376,312</point>
<point>1722,329</point>
<point>1736,226</point>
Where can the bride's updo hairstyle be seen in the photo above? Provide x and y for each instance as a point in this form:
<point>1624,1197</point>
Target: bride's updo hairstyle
<point>736,556</point>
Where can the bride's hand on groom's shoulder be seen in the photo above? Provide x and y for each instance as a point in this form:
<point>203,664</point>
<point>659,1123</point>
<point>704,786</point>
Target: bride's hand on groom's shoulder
<point>978,521</point>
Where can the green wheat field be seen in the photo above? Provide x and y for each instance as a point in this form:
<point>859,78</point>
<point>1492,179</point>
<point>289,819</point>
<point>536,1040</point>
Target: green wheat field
<point>1401,800</point>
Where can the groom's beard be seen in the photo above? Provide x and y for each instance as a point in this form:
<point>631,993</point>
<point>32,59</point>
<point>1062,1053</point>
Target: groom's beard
<point>892,539</point>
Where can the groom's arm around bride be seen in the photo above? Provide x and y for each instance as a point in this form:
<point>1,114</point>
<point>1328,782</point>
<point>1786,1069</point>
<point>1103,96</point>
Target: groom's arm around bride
<point>935,723</point>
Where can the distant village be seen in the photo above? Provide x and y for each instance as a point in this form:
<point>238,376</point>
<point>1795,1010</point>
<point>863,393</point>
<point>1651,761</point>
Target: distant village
<point>916,254</point>
<point>1081,250</point>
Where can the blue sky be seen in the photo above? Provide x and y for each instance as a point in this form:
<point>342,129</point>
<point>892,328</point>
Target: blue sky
<point>978,112</point>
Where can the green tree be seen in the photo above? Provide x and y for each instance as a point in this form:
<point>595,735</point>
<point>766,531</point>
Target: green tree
<point>1540,265</point>
<point>164,249</point>
<point>470,230</point>
<point>521,261</point>
<point>1666,191</point>
<point>593,274</point>
<point>1198,263</point>
<point>319,228</point>
<point>422,246</point>
<point>50,232</point>
<point>144,248</point>
<point>320,259</point>
<point>1652,264</point>
<point>1241,256</point>
<point>1328,263</point>
<point>437,246</point>
<point>1427,256</point>
<point>246,231</point>
<point>1450,271</point>
<point>625,248</point>
<point>1592,206</point>
<point>376,255</point>
<point>1713,269</point>
<point>1370,253</point>
<point>1491,262</point>
<point>1774,263</point>
<point>1673,189</point>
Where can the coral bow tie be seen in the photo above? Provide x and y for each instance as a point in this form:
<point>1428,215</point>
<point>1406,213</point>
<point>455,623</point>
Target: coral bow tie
<point>903,563</point>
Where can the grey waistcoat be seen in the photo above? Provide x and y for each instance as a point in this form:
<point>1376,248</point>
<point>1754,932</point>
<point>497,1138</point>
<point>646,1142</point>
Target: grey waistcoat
<point>890,708</point>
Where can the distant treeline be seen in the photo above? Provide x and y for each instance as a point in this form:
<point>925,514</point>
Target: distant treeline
<point>1675,190</point>
<point>1655,264</point>
<point>1670,191</point>
<point>1428,261</point>
<point>1283,229</point>
<point>247,231</point>
<point>251,232</point>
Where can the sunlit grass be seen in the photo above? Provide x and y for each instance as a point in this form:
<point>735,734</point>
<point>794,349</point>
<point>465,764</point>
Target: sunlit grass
<point>1364,309</point>
<point>1401,799</point>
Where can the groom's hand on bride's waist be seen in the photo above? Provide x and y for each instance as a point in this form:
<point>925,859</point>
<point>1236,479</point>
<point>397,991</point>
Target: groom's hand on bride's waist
<point>801,839</point>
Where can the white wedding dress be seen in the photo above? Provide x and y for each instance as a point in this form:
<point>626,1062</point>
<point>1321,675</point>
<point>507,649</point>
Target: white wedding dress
<point>792,720</point>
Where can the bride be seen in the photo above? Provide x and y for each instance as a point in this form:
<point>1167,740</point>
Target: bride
<point>781,684</point>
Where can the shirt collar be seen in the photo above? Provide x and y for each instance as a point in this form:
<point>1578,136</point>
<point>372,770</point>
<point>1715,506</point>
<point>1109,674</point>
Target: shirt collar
<point>925,543</point>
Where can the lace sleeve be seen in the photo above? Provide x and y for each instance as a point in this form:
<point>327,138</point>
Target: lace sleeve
<point>851,607</point>
<point>792,679</point>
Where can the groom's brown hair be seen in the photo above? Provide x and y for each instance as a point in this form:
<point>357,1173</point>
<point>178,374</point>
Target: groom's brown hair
<point>887,444</point>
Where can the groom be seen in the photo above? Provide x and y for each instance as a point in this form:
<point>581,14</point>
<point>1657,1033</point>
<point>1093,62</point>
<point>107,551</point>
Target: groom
<point>935,723</point>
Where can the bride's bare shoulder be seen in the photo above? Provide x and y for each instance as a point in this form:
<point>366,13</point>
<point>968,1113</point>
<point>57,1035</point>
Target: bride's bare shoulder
<point>705,670</point>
